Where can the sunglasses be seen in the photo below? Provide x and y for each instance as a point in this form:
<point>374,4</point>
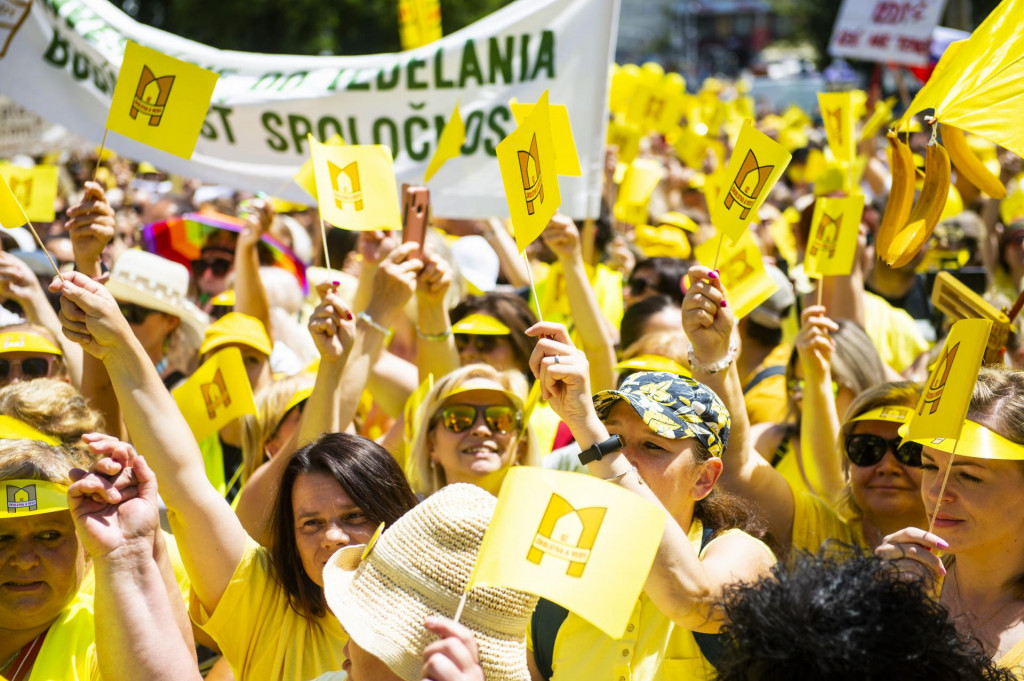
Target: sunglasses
<point>219,266</point>
<point>865,449</point>
<point>639,286</point>
<point>500,418</point>
<point>29,368</point>
<point>484,344</point>
<point>135,314</point>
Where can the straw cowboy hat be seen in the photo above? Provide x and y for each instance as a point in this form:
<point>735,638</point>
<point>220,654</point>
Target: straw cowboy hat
<point>156,283</point>
<point>382,592</point>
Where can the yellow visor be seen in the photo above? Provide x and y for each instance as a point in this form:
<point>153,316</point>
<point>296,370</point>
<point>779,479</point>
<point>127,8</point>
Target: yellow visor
<point>652,363</point>
<point>481,325</point>
<point>17,341</point>
<point>225,299</point>
<point>15,429</point>
<point>977,442</point>
<point>32,497</point>
<point>301,395</point>
<point>892,414</point>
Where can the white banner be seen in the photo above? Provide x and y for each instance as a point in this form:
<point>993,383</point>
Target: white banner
<point>62,57</point>
<point>890,31</point>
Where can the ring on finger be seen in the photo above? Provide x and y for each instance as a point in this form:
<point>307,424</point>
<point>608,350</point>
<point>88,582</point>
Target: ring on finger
<point>556,360</point>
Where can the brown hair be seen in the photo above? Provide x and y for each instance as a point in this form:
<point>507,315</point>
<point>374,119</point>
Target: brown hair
<point>721,510</point>
<point>513,312</point>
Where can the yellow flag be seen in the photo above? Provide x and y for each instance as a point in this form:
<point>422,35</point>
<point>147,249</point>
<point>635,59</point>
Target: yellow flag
<point>356,186</point>
<point>832,242</point>
<point>160,101</point>
<point>624,82</point>
<point>11,213</point>
<point>449,144</point>
<point>837,114</point>
<point>756,165</point>
<point>419,22</point>
<point>741,269</point>
<point>978,83</point>
<point>947,393</point>
<point>625,137</point>
<point>879,117</point>
<point>305,177</point>
<point>216,394</point>
<point>641,178</point>
<point>527,161</point>
<point>567,160</point>
<point>568,537</point>
<point>34,188</point>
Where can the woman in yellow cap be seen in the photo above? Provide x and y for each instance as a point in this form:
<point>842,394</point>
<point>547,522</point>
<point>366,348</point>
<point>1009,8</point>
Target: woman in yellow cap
<point>978,520</point>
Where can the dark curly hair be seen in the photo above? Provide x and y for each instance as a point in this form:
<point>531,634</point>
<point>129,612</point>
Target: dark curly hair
<point>842,615</point>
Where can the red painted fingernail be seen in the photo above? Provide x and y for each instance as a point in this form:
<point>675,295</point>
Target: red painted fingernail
<point>724,304</point>
<point>713,274</point>
<point>336,283</point>
<point>348,316</point>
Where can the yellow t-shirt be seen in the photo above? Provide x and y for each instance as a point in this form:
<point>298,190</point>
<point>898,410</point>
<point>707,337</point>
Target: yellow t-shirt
<point>652,649</point>
<point>766,401</point>
<point>1014,660</point>
<point>814,523</point>
<point>554,300</point>
<point>68,652</point>
<point>789,468</point>
<point>893,332</point>
<point>260,634</point>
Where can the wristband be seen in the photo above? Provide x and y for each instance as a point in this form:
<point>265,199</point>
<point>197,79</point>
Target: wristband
<point>712,367</point>
<point>435,337</point>
<point>599,450</point>
<point>374,325</point>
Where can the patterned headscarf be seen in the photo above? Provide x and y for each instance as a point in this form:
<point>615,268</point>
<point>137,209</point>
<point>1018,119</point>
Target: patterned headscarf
<point>674,407</point>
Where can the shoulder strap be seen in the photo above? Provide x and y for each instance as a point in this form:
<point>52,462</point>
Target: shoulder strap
<point>545,622</point>
<point>782,448</point>
<point>767,372</point>
<point>710,644</point>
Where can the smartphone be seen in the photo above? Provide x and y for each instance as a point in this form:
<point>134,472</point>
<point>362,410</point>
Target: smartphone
<point>415,213</point>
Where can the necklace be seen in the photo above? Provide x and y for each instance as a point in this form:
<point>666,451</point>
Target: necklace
<point>10,659</point>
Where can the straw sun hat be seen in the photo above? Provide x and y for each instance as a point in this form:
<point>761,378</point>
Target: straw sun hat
<point>420,567</point>
<point>159,284</point>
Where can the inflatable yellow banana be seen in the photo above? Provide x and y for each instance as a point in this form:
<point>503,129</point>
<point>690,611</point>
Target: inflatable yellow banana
<point>969,165</point>
<point>926,212</point>
<point>901,196</point>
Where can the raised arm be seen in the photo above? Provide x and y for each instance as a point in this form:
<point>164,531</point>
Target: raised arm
<point>681,585</point>
<point>250,295</point>
<point>210,537</point>
<point>708,322</point>
<point>435,345</point>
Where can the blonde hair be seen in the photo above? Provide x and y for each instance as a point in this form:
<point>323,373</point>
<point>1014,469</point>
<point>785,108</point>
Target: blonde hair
<point>425,478</point>
<point>271,401</point>
<point>31,460</point>
<point>55,408</point>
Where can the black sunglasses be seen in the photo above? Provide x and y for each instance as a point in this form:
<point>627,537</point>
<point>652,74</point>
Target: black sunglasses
<point>135,314</point>
<point>865,449</point>
<point>31,367</point>
<point>484,344</point>
<point>639,286</point>
<point>500,418</point>
<point>219,266</point>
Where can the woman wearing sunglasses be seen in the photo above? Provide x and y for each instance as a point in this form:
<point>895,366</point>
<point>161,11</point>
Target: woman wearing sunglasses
<point>28,352</point>
<point>979,522</point>
<point>881,493</point>
<point>471,429</point>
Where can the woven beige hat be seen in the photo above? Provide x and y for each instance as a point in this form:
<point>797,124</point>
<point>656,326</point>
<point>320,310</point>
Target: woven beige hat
<point>419,567</point>
<point>156,283</point>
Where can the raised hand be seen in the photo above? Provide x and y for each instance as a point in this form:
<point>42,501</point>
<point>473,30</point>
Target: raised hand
<point>707,318</point>
<point>563,372</point>
<point>562,237</point>
<point>332,324</point>
<point>434,279</point>
<point>91,227</point>
<point>90,316</point>
<point>394,281</point>
<point>17,280</point>
<point>912,552</point>
<point>814,343</point>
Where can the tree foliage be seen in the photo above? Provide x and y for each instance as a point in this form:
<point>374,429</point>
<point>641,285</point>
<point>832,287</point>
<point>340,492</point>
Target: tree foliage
<point>295,26</point>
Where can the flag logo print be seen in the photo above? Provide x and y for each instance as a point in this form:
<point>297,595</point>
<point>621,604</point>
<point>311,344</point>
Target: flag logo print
<point>933,391</point>
<point>566,533</point>
<point>827,236</point>
<point>835,124</point>
<point>529,168</point>
<point>151,96</point>
<point>22,190</point>
<point>346,185</point>
<point>748,184</point>
<point>21,498</point>
<point>215,394</point>
<point>893,413</point>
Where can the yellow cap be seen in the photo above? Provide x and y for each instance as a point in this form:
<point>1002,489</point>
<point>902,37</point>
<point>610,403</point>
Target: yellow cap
<point>235,327</point>
<point>225,299</point>
<point>16,429</point>
<point>652,363</point>
<point>977,442</point>
<point>31,497</point>
<point>666,240</point>
<point>892,414</point>
<point>481,325</point>
<point>677,219</point>
<point>22,341</point>
<point>301,395</point>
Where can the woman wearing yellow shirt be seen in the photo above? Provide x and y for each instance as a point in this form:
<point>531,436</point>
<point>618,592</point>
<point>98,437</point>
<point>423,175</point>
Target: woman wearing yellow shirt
<point>263,606</point>
<point>662,436</point>
<point>979,522</point>
<point>883,475</point>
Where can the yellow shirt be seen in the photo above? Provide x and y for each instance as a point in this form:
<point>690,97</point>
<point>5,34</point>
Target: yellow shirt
<point>260,634</point>
<point>893,332</point>
<point>789,468</point>
<point>68,652</point>
<point>652,649</point>
<point>1014,660</point>
<point>766,402</point>
<point>814,523</point>
<point>554,300</point>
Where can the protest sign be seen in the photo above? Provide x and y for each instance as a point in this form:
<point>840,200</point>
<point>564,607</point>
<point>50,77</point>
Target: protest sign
<point>889,31</point>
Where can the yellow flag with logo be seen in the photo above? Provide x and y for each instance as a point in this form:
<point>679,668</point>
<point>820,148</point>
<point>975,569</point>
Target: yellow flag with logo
<point>943,404</point>
<point>741,269</point>
<point>305,178</point>
<point>419,22</point>
<point>641,178</point>
<point>449,144</point>
<point>837,114</point>
<point>160,101</point>
<point>756,165</point>
<point>216,394</point>
<point>527,160</point>
<point>11,213</point>
<point>355,186</point>
<point>567,160</point>
<point>568,537</point>
<point>35,188</point>
<point>625,137</point>
<point>832,242</point>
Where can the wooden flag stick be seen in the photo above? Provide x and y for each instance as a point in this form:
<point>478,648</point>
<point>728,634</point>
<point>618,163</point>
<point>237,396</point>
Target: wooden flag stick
<point>942,490</point>
<point>99,159</point>
<point>821,286</point>
<point>462,604</point>
<point>718,251</point>
<point>323,235</point>
<point>45,252</point>
<point>533,287</point>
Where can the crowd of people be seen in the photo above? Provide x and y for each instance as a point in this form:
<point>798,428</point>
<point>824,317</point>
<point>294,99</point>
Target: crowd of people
<point>331,533</point>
